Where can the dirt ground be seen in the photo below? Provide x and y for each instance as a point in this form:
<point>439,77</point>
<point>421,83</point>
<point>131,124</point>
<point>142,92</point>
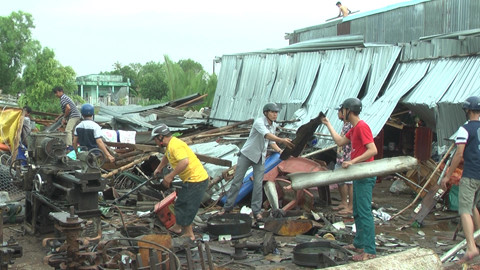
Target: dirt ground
<point>396,235</point>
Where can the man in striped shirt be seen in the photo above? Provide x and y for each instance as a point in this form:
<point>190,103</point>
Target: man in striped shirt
<point>71,115</point>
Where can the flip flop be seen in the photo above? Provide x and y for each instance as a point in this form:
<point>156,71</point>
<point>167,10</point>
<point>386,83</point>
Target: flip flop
<point>353,248</point>
<point>345,212</point>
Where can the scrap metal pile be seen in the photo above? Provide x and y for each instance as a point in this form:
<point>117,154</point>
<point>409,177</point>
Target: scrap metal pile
<point>117,215</point>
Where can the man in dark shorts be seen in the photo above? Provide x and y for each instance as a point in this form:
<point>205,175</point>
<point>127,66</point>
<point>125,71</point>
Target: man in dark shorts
<point>468,148</point>
<point>71,115</point>
<point>188,167</point>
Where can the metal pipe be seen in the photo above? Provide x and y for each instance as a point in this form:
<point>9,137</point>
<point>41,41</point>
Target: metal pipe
<point>354,172</point>
<point>458,247</point>
<point>272,195</point>
<point>410,181</point>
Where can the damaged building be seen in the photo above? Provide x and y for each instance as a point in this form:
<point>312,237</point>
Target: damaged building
<point>416,57</point>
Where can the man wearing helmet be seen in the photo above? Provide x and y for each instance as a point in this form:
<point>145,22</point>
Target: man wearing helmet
<point>363,150</point>
<point>468,148</point>
<point>71,116</point>
<point>253,153</point>
<point>188,167</point>
<point>88,133</point>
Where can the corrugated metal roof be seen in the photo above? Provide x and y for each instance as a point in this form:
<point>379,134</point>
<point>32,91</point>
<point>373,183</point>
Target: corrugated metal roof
<point>316,81</point>
<point>405,77</point>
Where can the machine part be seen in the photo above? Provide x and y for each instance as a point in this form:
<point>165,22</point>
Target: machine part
<point>37,182</point>
<point>9,250</point>
<point>110,250</point>
<point>272,195</point>
<point>209,256</point>
<point>95,158</point>
<point>240,253</point>
<point>17,170</point>
<point>319,254</point>
<point>288,226</point>
<point>54,147</point>
<point>236,225</point>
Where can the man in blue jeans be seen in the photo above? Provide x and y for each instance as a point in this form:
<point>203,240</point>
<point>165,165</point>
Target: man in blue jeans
<point>363,150</point>
<point>253,153</point>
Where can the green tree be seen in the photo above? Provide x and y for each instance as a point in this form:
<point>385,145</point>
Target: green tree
<point>43,73</point>
<point>129,72</point>
<point>151,81</point>
<point>16,46</point>
<point>187,77</point>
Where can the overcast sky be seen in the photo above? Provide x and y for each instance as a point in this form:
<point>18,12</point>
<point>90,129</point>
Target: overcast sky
<point>92,35</point>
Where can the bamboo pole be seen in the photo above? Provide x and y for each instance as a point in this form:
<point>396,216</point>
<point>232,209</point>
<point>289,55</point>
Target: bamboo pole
<point>191,101</point>
<point>129,165</point>
<point>189,139</point>
<point>427,182</point>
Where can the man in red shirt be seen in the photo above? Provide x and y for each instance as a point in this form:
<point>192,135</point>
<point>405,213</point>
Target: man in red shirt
<point>363,150</point>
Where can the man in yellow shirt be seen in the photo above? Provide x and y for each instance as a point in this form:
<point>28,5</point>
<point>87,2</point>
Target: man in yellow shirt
<point>187,166</point>
<point>344,11</point>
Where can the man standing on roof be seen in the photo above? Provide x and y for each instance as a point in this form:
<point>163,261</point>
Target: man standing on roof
<point>363,150</point>
<point>343,10</point>
<point>253,153</point>
<point>468,148</point>
<point>88,133</point>
<point>188,167</point>
<point>71,116</point>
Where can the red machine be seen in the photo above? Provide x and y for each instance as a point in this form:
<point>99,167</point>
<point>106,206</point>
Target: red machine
<point>164,210</point>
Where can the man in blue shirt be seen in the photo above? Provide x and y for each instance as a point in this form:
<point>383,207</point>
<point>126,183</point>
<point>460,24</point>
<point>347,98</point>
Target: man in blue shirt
<point>253,153</point>
<point>88,133</point>
<point>468,148</point>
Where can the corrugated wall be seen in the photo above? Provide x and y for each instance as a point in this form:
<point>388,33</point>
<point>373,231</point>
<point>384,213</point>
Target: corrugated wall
<point>402,22</point>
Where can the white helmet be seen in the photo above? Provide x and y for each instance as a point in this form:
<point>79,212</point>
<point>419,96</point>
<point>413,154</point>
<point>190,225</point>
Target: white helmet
<point>161,129</point>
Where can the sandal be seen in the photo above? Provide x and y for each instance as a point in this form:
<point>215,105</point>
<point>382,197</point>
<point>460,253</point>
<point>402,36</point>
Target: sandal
<point>338,208</point>
<point>363,257</point>
<point>351,247</point>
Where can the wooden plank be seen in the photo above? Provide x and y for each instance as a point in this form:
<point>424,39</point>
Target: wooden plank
<point>214,160</point>
<point>151,148</point>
